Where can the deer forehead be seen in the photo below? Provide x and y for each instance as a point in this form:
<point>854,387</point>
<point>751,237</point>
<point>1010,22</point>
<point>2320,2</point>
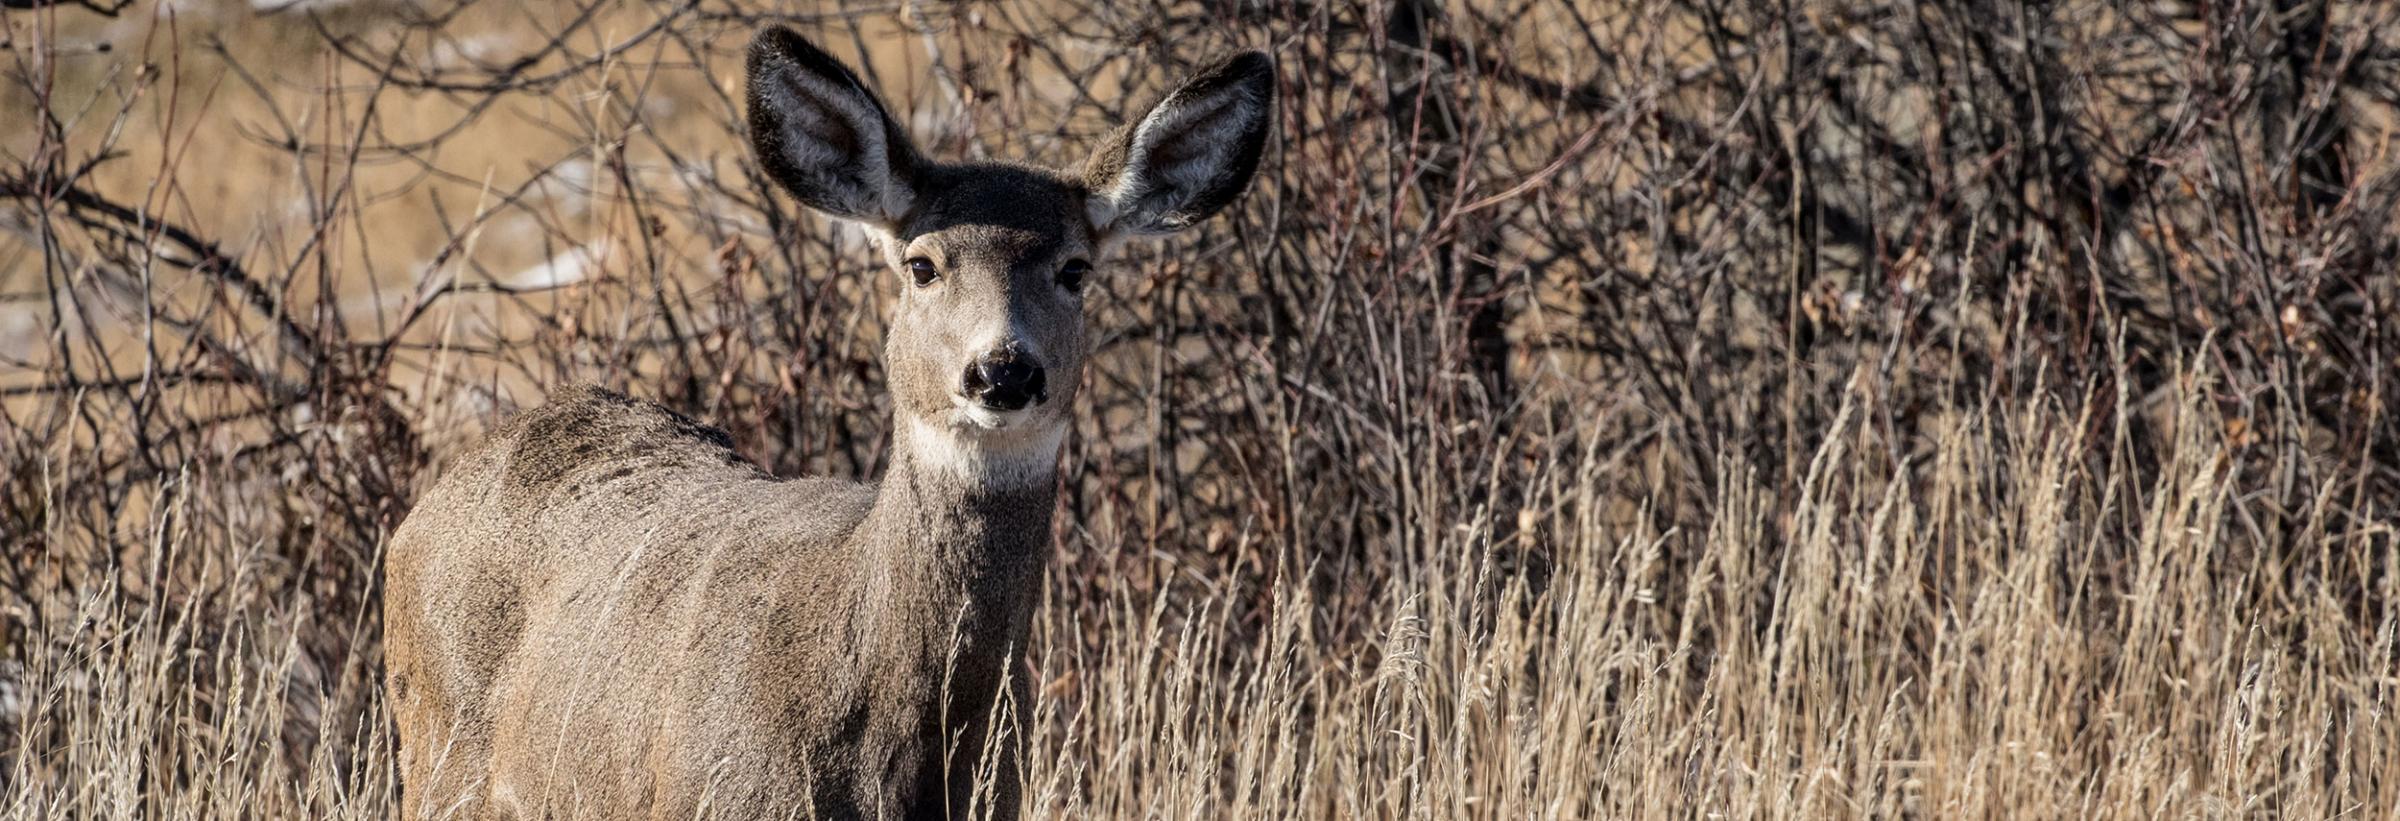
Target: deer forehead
<point>1003,213</point>
<point>981,248</point>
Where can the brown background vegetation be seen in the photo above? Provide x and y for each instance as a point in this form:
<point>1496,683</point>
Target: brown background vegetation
<point>1596,409</point>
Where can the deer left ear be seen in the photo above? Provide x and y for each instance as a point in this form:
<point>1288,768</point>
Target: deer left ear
<point>1191,156</point>
<point>824,136</point>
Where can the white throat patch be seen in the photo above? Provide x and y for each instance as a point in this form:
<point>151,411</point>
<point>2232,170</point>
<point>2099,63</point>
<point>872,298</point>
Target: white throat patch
<point>1016,457</point>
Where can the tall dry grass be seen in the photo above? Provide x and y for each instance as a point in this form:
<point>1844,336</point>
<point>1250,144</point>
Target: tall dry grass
<point>1600,409</point>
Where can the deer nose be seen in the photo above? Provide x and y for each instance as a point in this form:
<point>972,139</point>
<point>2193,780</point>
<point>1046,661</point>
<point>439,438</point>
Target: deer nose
<point>1006,379</point>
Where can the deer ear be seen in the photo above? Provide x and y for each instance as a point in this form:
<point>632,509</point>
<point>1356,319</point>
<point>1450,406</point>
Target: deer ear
<point>821,134</point>
<point>1190,156</point>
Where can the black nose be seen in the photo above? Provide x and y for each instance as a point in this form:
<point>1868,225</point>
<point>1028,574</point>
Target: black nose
<point>1006,379</point>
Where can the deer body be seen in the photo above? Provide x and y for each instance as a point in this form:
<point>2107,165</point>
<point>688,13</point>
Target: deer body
<point>604,612</point>
<point>714,629</point>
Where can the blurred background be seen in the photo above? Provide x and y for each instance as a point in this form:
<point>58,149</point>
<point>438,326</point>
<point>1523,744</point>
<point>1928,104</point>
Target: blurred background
<point>1597,408</point>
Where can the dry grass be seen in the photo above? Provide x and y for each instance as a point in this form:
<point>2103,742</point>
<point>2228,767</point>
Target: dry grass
<point>1958,409</point>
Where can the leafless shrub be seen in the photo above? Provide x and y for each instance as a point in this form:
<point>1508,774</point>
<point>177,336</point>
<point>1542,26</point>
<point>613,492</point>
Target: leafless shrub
<point>1599,409</point>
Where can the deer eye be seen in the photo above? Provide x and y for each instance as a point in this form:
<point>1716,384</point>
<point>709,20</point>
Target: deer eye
<point>1070,275</point>
<point>922,271</point>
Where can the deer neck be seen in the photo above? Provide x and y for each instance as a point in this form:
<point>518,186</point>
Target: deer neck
<point>956,544</point>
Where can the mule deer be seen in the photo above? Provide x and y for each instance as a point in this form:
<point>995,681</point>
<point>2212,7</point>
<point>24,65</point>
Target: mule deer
<point>602,611</point>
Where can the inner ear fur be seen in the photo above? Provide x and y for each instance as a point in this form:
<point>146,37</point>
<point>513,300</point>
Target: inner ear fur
<point>1190,156</point>
<point>824,136</point>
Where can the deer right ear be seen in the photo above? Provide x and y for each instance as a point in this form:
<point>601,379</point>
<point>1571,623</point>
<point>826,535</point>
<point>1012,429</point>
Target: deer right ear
<point>1190,156</point>
<point>824,136</point>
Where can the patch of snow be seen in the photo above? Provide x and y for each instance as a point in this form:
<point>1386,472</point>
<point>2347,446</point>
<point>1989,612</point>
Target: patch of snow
<point>564,268</point>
